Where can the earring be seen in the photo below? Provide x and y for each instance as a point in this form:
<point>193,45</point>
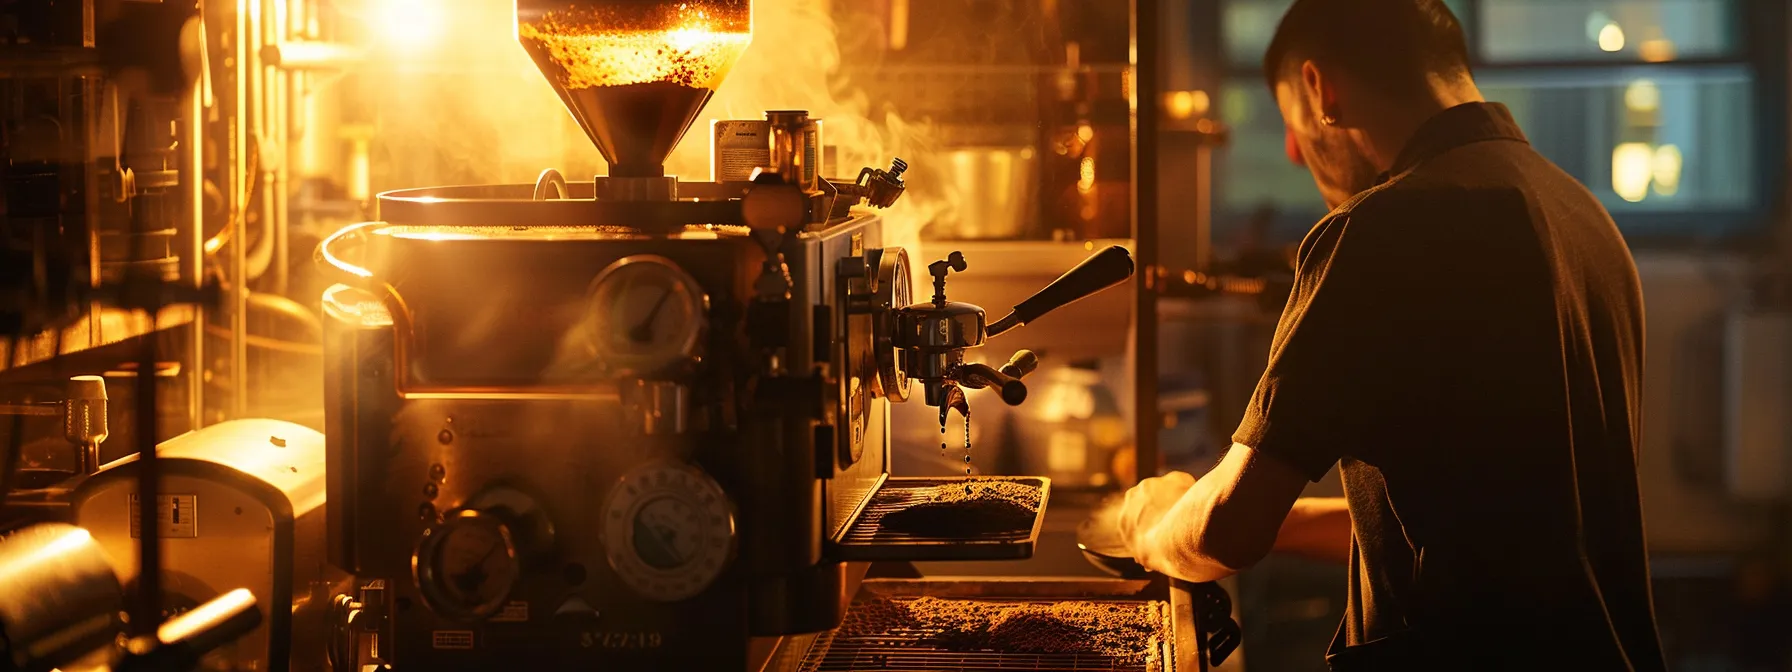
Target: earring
<point>1329,120</point>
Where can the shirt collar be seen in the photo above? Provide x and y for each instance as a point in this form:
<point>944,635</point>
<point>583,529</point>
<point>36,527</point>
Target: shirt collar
<point>1452,128</point>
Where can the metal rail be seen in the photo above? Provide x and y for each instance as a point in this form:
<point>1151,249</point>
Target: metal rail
<point>1147,420</point>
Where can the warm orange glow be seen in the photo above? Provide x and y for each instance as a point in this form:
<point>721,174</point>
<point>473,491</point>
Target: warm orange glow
<point>898,25</point>
<point>1186,104</point>
<point>593,52</point>
<point>1658,50</point>
<point>1085,182</point>
<point>407,24</point>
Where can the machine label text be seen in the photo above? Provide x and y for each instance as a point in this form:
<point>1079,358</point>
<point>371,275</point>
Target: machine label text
<point>452,639</point>
<point>515,611</point>
<point>620,640</point>
<point>177,516</point>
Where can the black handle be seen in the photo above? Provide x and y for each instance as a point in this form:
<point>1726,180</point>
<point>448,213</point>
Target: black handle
<point>1215,632</point>
<point>1104,269</point>
<point>978,376</point>
<point>1022,363</point>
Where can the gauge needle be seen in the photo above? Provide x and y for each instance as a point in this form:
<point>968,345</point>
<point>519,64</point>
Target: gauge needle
<point>643,332</point>
<point>475,574</point>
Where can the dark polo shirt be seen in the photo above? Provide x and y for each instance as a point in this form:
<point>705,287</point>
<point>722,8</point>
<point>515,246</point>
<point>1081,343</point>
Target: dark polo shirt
<point>1466,341</point>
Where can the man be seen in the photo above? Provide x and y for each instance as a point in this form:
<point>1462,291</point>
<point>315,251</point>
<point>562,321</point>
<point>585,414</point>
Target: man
<point>1465,339</point>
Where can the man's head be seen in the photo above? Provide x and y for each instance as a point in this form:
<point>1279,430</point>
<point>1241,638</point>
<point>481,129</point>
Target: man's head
<point>1355,78</point>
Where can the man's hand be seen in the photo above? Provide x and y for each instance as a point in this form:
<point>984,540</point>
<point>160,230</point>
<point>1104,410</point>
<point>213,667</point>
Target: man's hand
<point>1208,529</point>
<point>1145,506</point>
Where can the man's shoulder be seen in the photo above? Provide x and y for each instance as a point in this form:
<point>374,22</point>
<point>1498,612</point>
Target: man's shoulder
<point>1415,200</point>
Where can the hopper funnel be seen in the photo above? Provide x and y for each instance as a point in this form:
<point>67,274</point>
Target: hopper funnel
<point>635,73</point>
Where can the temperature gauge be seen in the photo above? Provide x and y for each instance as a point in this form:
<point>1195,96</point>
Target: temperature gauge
<point>466,566</point>
<point>646,316</point>
<point>668,531</point>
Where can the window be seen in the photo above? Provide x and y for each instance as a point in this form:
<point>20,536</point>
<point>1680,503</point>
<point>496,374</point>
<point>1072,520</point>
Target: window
<point>1608,30</point>
<point>1643,139</point>
<point>1246,26</point>
<point>1650,103</point>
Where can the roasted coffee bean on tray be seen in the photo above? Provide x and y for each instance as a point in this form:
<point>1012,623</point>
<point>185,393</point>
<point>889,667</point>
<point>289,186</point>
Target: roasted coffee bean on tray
<point>1125,631</point>
<point>964,508</point>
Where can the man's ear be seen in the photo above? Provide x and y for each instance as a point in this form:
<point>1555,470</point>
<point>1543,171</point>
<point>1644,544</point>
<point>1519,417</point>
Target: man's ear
<point>1321,92</point>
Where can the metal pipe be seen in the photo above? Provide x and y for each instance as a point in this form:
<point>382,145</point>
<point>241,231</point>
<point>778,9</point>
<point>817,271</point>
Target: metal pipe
<point>147,612</point>
<point>273,131</point>
<point>192,169</point>
<point>1203,214</point>
<point>240,118</point>
<point>1147,420</point>
<point>304,55</point>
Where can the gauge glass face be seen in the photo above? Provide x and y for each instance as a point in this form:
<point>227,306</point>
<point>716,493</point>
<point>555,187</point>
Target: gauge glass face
<point>472,566</point>
<point>646,314</point>
<point>668,531</point>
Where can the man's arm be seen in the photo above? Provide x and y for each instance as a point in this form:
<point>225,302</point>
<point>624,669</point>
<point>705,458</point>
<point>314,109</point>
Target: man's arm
<point>1317,528</point>
<point>1227,521</point>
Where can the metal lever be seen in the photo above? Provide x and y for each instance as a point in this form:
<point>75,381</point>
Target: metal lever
<point>1005,380</point>
<point>1100,271</point>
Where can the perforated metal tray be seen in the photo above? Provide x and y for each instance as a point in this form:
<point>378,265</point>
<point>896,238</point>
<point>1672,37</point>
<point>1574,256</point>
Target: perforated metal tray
<point>865,538</point>
<point>861,646</point>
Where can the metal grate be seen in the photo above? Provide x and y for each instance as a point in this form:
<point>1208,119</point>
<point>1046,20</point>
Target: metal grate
<point>866,539</point>
<point>856,646</point>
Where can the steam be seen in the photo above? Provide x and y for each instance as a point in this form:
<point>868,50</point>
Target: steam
<point>793,64</point>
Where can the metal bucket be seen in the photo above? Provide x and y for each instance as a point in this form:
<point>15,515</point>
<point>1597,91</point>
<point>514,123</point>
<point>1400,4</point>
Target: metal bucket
<point>990,193</point>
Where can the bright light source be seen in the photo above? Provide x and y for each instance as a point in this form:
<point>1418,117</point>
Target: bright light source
<point>1611,37</point>
<point>1642,96</point>
<point>898,25</point>
<point>1085,132</point>
<point>1633,168</point>
<point>1085,182</point>
<point>689,37</point>
<point>407,24</point>
<point>1667,170</point>
<point>1185,104</point>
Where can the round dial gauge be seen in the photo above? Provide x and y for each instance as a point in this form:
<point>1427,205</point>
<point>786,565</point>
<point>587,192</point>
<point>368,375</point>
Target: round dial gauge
<point>893,288</point>
<point>646,315</point>
<point>466,566</point>
<point>668,531</point>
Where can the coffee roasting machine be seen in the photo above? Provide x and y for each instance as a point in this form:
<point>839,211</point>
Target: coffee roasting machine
<point>635,422</point>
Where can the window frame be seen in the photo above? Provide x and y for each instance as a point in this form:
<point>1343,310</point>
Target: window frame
<point>1762,33</point>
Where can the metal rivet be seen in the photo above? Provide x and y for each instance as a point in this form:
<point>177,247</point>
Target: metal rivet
<point>438,473</point>
<point>426,511</point>
<point>430,490</point>
<point>446,437</point>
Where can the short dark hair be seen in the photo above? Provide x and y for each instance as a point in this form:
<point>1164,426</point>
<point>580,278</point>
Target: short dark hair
<point>1390,45</point>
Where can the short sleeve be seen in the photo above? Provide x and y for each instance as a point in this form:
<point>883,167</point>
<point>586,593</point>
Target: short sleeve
<point>1347,360</point>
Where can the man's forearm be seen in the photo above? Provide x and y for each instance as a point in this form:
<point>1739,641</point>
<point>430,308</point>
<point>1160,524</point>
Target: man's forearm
<point>1226,522</point>
<point>1317,528</point>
